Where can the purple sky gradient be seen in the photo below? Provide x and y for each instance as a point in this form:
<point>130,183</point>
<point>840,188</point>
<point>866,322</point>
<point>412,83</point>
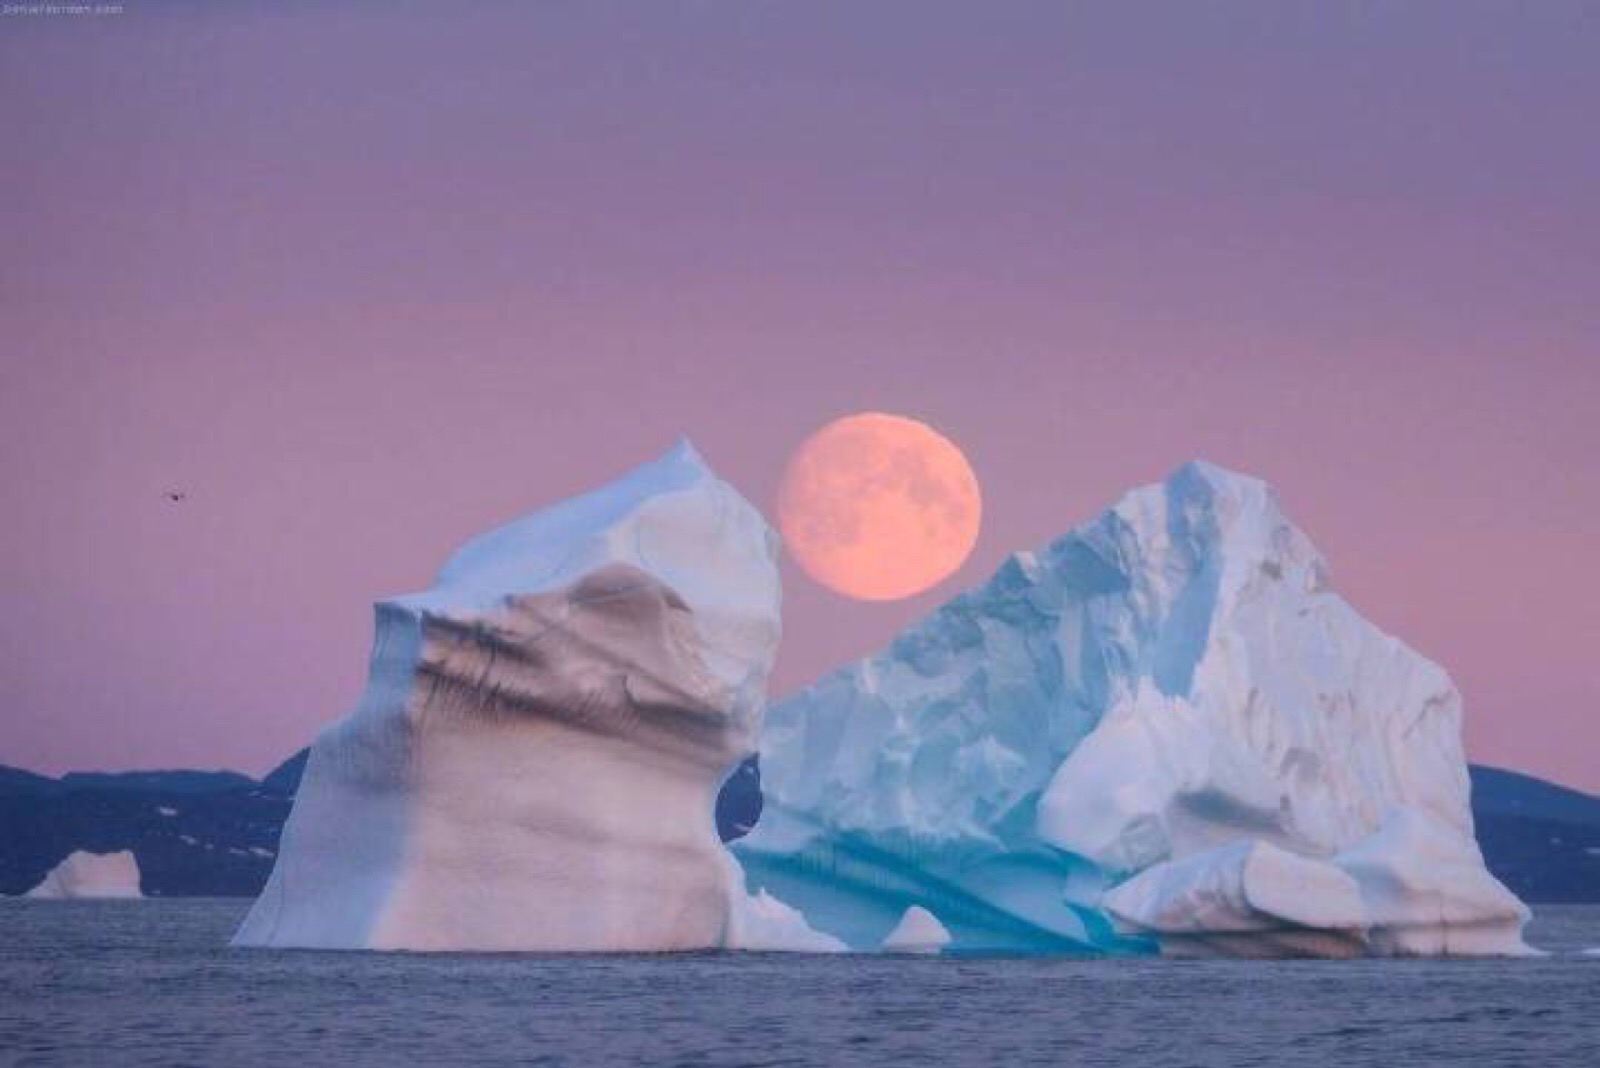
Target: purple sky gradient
<point>367,280</point>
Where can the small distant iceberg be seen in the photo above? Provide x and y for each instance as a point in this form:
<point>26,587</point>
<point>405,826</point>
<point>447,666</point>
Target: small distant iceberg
<point>84,876</point>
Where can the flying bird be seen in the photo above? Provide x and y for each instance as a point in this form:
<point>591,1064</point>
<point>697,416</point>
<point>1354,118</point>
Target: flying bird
<point>176,495</point>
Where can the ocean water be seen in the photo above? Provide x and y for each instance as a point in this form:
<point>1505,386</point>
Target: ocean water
<point>154,983</point>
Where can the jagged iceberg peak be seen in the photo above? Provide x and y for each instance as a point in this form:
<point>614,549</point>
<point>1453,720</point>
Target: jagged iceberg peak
<point>1171,679</point>
<point>670,530</point>
<point>535,761</point>
<point>1008,677</point>
<point>672,519</point>
<point>537,550</point>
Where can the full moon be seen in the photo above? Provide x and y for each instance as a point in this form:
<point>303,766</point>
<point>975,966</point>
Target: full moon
<point>879,507</point>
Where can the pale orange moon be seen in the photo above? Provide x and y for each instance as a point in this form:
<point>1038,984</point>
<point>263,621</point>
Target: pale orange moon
<point>879,507</point>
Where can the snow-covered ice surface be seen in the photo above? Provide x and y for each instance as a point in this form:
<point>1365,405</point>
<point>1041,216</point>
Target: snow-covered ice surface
<point>85,875</point>
<point>535,761</point>
<point>1162,730</point>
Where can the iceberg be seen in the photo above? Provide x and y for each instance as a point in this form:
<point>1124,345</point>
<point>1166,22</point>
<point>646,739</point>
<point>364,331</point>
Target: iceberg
<point>83,875</point>
<point>535,762</point>
<point>1163,731</point>
<point>919,931</point>
<point>1249,898</point>
<point>760,921</point>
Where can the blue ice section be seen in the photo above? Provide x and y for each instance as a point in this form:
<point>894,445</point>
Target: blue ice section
<point>992,900</point>
<point>913,777</point>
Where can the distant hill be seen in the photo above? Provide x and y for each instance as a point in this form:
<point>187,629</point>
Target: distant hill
<point>215,833</point>
<point>181,781</point>
<point>1498,792</point>
<point>285,778</point>
<point>1540,839</point>
<point>17,781</point>
<point>174,782</point>
<point>194,833</point>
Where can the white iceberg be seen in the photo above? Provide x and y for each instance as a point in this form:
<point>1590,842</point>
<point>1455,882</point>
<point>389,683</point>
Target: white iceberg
<point>1247,898</point>
<point>84,875</point>
<point>760,921</point>
<point>919,931</point>
<point>1162,729</point>
<point>536,758</point>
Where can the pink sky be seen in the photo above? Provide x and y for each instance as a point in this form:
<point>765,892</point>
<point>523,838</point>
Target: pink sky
<point>365,281</point>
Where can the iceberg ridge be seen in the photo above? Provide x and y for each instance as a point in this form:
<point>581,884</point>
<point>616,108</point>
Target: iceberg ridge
<point>1163,728</point>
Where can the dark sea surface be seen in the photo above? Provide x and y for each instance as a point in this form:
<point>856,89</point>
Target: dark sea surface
<point>154,983</point>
